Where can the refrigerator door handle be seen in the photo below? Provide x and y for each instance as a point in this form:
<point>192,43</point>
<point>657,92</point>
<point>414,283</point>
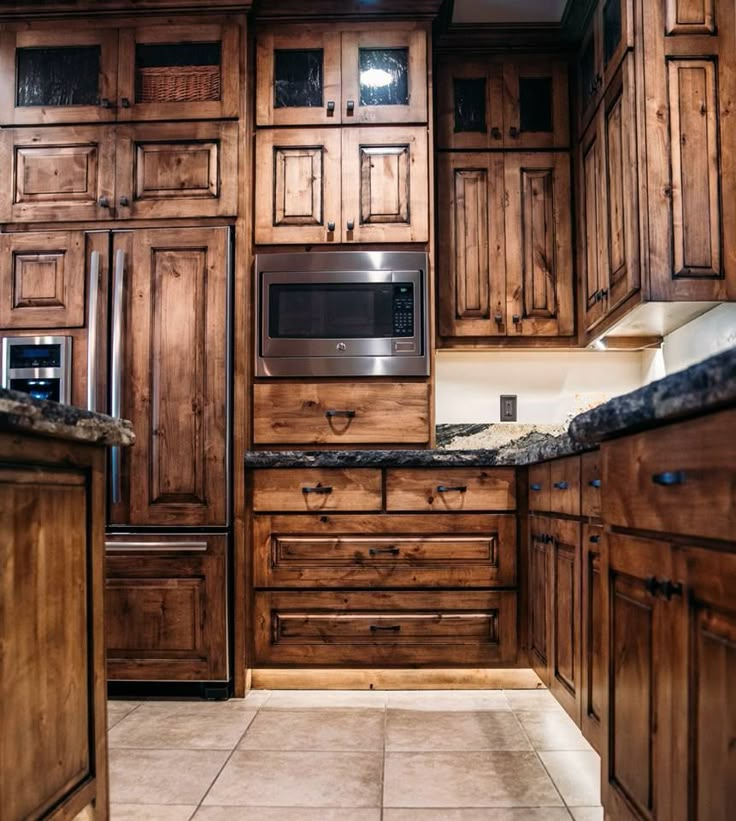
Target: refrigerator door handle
<point>116,366</point>
<point>94,282</point>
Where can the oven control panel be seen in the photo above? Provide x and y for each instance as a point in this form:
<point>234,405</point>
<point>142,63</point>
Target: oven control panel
<point>403,309</point>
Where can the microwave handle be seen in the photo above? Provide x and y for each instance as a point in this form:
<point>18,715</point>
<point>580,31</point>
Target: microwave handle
<point>116,367</point>
<point>94,287</point>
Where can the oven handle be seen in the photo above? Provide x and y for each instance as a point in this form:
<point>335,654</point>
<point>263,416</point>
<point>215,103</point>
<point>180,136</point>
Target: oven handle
<point>94,287</point>
<point>116,366</point>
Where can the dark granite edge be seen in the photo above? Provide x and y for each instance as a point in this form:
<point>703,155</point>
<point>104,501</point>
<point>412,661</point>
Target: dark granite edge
<point>20,412</point>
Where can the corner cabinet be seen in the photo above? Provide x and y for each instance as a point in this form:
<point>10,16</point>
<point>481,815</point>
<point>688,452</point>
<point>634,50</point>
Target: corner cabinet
<point>505,258</point>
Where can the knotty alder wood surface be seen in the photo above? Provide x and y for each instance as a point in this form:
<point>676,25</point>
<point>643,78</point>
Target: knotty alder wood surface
<point>565,486</point>
<point>593,674</point>
<point>450,490</point>
<point>317,489</point>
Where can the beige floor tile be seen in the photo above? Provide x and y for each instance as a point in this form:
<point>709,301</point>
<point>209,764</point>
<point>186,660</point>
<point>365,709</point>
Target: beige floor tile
<point>325,699</point>
<point>189,727</point>
<point>117,710</point>
<point>477,779</point>
<point>447,700</point>
<point>325,730</point>
<point>532,700</point>
<point>494,814</point>
<point>169,706</point>
<point>257,698</point>
<point>409,731</point>
<point>587,813</point>
<point>552,730</point>
<point>163,776</point>
<point>151,812</point>
<point>286,814</point>
<point>577,775</point>
<point>291,779</point>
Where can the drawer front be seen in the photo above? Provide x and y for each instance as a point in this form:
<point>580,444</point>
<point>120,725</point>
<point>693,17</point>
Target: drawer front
<point>341,413</point>
<point>539,487</point>
<point>384,551</point>
<point>451,490</point>
<point>565,486</point>
<point>679,479</point>
<point>390,629</point>
<point>299,490</point>
<point>590,484</point>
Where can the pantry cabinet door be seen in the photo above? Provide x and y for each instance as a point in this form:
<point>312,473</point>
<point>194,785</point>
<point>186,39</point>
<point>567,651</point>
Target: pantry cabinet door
<point>471,245</point>
<point>539,245</point>
<point>298,77</point>
<point>384,76</point>
<point>535,105</point>
<point>469,104</point>
<point>385,184</point>
<point>298,186</point>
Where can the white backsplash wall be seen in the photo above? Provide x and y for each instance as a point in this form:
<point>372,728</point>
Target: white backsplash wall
<point>551,387</point>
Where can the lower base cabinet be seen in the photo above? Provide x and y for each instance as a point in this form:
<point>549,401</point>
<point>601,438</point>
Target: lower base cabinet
<point>593,675</point>
<point>166,608</point>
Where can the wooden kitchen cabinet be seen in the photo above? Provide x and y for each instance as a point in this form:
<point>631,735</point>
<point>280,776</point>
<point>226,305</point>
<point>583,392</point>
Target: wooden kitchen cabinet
<point>450,489</point>
<point>539,591</point>
<point>565,486</point>
<point>591,483</point>
<point>540,483</point>
<point>166,607</point>
<point>322,490</point>
<point>535,105</point>
<point>337,74</point>
<point>593,673</point>
<point>173,375</point>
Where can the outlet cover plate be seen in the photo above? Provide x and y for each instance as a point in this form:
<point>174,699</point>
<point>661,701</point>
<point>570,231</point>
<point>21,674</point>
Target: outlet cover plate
<point>508,408</point>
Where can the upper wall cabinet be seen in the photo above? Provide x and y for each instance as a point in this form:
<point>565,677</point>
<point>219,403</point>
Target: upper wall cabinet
<point>101,75</point>
<point>514,105</point>
<point>306,76</point>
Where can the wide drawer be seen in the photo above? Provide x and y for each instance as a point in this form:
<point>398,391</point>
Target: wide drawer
<point>679,479</point>
<point>384,551</point>
<point>539,487</point>
<point>450,489</point>
<point>341,413</point>
<point>390,629</point>
<point>300,490</point>
<point>591,483</point>
<point>565,486</point>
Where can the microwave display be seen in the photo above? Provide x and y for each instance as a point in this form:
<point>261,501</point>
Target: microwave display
<point>341,310</point>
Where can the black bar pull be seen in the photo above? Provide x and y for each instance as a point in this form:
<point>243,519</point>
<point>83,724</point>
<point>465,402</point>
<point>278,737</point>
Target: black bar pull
<point>321,490</point>
<point>330,106</point>
<point>595,483</point>
<point>387,628</point>
<point>536,486</point>
<point>449,489</point>
<point>669,478</point>
<point>381,551</point>
<point>350,106</point>
<point>651,585</point>
<point>669,589</point>
<point>562,485</point>
<point>348,414</point>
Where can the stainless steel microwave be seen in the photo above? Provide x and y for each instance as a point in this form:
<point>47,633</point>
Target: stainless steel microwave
<point>342,313</point>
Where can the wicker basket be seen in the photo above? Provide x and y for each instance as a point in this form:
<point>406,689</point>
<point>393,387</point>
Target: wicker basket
<point>178,84</point>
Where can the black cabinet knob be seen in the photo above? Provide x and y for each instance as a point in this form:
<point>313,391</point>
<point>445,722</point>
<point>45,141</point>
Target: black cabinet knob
<point>595,539</point>
<point>496,133</point>
<point>516,319</point>
<point>669,589</point>
<point>105,103</point>
<point>669,478</point>
<point>331,227</point>
<point>125,102</point>
<point>124,201</point>
<point>351,225</point>
<point>595,483</point>
<point>513,132</point>
<point>103,202</point>
<point>651,585</point>
<point>535,486</point>
<point>561,485</point>
<point>350,106</point>
<point>330,106</point>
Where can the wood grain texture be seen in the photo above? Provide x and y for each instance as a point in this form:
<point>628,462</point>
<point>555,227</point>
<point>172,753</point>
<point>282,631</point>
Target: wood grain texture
<point>565,486</point>
<point>514,73</point>
<point>450,489</point>
<point>590,484</point>
<point>540,484</point>
<point>539,591</point>
<point>306,490</point>
<point>593,674</point>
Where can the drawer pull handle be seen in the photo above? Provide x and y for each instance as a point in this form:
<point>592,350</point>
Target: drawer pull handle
<point>330,106</point>
<point>651,585</point>
<point>548,539</point>
<point>453,489</point>
<point>595,483</point>
<point>595,539</point>
<point>669,589</point>
<point>322,490</point>
<point>562,485</point>
<point>536,486</point>
<point>386,628</point>
<point>669,478</point>
<point>381,551</point>
<point>348,414</point>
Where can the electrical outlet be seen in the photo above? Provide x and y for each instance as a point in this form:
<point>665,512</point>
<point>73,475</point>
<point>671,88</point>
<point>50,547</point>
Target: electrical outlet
<point>508,408</point>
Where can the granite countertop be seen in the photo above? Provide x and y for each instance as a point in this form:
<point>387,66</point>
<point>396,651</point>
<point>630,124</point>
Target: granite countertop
<point>704,387</point>
<point>20,412</point>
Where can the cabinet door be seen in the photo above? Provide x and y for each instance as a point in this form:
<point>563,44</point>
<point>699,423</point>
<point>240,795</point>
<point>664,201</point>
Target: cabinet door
<point>179,72</point>
<point>638,630</point>
<point>166,608</point>
<point>298,77</point>
<point>469,104</point>
<point>535,105</point>
<point>177,170</point>
<point>539,596</point>
<point>173,376</point>
<point>57,174</point>
<point>565,615</point>
<point>384,76</point>
<point>472,245</point>
<point>61,75</point>
<point>589,79</point>
<point>705,714</point>
<point>615,20</point>
<point>385,185</point>
<point>539,282</point>
<point>593,674</point>
<point>298,186</point>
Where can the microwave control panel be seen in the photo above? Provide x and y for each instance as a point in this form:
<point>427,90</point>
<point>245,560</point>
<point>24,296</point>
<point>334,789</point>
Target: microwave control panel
<point>404,309</point>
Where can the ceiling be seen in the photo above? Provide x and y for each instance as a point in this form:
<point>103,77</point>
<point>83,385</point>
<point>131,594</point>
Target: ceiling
<point>508,11</point>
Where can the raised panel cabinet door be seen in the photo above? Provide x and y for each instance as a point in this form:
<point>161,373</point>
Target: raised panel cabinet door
<point>57,174</point>
<point>539,281</point>
<point>166,608</point>
<point>638,653</point>
<point>469,104</point>
<point>615,19</point>
<point>177,170</point>
<point>683,17</point>
<point>472,245</point>
<point>540,611</point>
<point>298,186</point>
<point>385,184</point>
<point>177,72</point>
<point>384,76</point>
<point>593,674</point>
<point>705,715</point>
<point>173,380</point>
<point>298,77</point>
<point>65,74</point>
<point>589,77</point>
<point>535,105</point>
